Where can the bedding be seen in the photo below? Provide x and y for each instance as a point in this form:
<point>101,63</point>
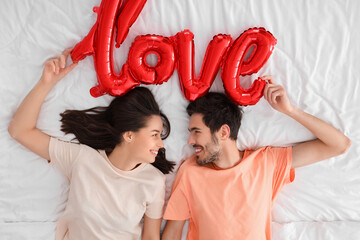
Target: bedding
<point>316,59</point>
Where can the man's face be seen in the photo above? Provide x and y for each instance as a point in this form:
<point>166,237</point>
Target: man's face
<point>206,145</point>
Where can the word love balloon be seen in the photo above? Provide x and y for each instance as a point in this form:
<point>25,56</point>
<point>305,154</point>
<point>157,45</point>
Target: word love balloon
<point>175,52</point>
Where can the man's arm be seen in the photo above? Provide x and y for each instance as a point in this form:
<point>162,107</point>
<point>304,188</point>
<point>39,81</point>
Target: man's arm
<point>330,142</point>
<point>151,229</point>
<point>173,230</point>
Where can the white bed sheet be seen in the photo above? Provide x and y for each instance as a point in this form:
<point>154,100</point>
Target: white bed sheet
<point>316,59</point>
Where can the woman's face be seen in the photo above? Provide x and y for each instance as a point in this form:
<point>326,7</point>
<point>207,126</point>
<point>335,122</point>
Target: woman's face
<point>147,141</point>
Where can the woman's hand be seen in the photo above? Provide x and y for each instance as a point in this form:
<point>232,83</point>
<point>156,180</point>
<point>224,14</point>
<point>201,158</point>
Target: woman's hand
<point>55,68</point>
<point>276,96</point>
<point>23,125</point>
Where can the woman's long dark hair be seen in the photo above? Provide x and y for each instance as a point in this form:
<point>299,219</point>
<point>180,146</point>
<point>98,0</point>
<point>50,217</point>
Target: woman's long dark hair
<point>102,127</point>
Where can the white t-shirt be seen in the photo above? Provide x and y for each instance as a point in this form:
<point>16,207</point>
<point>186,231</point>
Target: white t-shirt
<point>104,202</point>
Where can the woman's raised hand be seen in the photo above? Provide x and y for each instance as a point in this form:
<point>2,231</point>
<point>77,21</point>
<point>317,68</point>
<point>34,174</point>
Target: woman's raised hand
<point>55,68</point>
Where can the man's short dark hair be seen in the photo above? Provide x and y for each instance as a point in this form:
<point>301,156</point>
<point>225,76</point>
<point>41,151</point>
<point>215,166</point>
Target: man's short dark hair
<point>217,109</point>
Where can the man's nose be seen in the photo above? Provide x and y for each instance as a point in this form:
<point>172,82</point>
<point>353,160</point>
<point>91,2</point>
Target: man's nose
<point>191,140</point>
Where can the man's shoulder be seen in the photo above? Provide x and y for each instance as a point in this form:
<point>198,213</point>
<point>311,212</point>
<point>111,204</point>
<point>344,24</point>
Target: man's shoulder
<point>188,165</point>
<point>266,149</point>
<point>269,154</point>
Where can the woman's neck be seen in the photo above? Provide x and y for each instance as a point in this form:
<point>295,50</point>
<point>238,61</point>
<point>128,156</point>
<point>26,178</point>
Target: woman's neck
<point>121,158</point>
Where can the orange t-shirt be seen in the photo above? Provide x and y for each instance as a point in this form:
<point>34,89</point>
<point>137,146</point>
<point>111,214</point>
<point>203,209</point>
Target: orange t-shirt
<point>233,203</point>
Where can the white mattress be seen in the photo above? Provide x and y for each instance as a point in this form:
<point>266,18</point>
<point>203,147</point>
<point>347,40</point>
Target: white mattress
<point>317,59</point>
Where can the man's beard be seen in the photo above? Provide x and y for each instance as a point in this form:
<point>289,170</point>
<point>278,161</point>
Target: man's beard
<point>213,155</point>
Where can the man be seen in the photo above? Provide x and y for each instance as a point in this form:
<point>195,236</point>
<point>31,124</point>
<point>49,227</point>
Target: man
<point>226,193</point>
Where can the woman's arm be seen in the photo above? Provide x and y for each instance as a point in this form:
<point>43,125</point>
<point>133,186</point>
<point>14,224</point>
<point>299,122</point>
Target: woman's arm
<point>23,125</point>
<point>151,229</point>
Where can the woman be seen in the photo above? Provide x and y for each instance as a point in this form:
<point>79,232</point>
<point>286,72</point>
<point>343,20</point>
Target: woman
<point>112,184</point>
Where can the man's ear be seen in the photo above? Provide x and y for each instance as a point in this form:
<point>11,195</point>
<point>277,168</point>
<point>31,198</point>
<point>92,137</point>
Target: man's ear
<point>224,132</point>
<point>128,136</point>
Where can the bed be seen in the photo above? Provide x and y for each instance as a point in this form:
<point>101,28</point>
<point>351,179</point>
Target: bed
<point>316,59</point>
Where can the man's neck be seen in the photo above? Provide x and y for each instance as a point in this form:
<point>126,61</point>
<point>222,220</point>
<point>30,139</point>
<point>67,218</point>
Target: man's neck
<point>230,155</point>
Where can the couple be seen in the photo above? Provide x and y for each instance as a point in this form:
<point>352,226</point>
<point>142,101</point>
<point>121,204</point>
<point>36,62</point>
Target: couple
<point>116,173</point>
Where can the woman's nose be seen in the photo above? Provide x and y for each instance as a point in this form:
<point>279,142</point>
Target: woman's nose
<point>160,143</point>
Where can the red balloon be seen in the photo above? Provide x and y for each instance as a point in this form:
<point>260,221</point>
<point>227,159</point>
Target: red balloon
<point>101,37</point>
<point>151,44</point>
<point>191,86</point>
<point>235,65</point>
<point>177,51</point>
<point>127,17</point>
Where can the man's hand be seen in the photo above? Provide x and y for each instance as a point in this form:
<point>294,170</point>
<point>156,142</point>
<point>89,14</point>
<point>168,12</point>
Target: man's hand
<point>55,68</point>
<point>330,142</point>
<point>276,96</point>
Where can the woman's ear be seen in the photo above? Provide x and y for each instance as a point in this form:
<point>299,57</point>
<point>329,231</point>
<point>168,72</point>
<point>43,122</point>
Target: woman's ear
<point>224,132</point>
<point>128,136</point>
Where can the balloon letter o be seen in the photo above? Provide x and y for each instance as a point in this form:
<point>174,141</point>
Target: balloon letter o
<point>148,44</point>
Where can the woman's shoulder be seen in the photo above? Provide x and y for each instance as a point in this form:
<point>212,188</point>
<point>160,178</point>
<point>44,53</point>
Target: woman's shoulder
<point>64,141</point>
<point>72,146</point>
<point>150,170</point>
